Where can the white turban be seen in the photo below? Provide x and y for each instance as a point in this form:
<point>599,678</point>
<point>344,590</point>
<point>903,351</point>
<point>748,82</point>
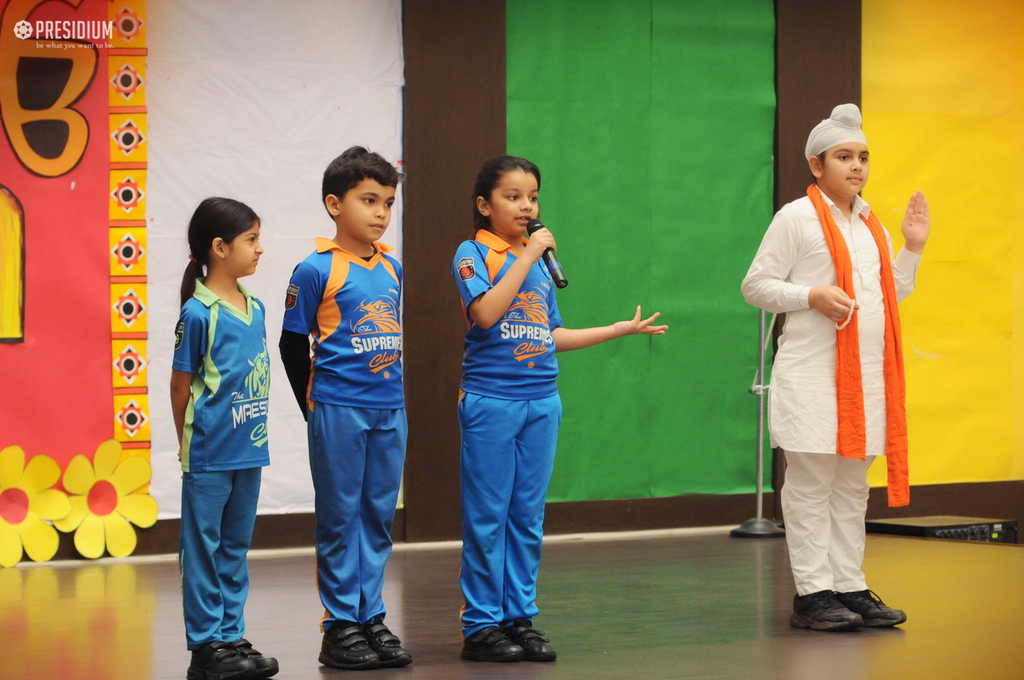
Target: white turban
<point>842,126</point>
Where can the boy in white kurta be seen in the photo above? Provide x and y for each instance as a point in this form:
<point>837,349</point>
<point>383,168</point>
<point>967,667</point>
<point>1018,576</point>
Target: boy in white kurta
<point>836,398</point>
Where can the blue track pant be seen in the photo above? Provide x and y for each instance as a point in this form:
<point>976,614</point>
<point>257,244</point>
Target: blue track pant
<point>218,512</point>
<point>356,457</point>
<point>508,453</point>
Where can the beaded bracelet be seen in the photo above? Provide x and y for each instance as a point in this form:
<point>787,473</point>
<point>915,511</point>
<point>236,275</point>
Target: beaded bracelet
<point>849,317</point>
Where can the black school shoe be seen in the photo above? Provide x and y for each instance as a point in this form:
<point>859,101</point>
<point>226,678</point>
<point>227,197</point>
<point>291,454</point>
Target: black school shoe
<point>822,611</point>
<point>491,644</point>
<point>345,646</point>
<point>218,661</point>
<point>386,644</point>
<point>535,645</point>
<point>266,666</point>
<point>871,608</point>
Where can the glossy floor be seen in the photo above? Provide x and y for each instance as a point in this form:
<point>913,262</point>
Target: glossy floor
<point>654,606</point>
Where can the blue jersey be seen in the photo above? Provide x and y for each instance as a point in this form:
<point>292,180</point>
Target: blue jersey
<point>514,358</point>
<point>225,350</point>
<point>351,308</point>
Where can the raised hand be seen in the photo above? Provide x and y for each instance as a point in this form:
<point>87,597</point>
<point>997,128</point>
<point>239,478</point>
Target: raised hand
<point>916,223</point>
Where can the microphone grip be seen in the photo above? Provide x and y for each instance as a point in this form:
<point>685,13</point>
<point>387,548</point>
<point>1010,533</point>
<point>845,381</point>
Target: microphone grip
<point>549,257</point>
<point>555,268</point>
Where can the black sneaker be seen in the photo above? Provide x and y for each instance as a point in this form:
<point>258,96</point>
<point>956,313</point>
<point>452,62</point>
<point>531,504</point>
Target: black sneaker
<point>217,661</point>
<point>822,611</point>
<point>491,644</point>
<point>266,666</point>
<point>871,608</point>
<point>386,644</point>
<point>534,644</point>
<point>345,646</point>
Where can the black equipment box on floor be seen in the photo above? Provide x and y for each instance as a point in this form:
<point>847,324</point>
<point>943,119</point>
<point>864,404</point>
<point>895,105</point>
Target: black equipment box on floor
<point>946,526</point>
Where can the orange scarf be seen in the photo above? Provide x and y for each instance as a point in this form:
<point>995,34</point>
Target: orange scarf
<point>850,439</point>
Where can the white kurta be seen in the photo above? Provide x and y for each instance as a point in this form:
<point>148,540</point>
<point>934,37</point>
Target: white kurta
<point>792,259</point>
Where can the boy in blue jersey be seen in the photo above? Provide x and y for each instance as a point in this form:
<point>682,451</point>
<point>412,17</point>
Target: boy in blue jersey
<point>346,296</point>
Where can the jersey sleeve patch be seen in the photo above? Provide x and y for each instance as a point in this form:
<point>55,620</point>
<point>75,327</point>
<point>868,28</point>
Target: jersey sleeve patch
<point>465,268</point>
<point>179,334</point>
<point>291,296</point>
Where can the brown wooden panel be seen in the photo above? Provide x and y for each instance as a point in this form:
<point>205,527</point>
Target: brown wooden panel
<point>994,500</point>
<point>817,67</point>
<point>640,514</point>
<point>454,121</point>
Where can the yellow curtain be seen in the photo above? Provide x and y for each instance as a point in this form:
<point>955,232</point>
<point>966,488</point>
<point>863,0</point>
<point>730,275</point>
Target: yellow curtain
<point>944,112</point>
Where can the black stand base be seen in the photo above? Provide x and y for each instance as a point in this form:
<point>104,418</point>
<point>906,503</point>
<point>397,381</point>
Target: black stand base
<point>757,528</point>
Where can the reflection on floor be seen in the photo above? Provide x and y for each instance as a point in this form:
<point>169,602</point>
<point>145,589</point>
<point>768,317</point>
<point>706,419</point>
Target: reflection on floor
<point>663,605</point>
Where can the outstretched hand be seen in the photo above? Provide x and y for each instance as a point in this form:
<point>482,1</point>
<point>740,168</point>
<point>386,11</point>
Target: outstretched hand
<point>637,325</point>
<point>916,223</point>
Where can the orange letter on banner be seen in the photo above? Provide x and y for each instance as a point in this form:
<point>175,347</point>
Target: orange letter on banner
<point>12,268</point>
<point>40,79</point>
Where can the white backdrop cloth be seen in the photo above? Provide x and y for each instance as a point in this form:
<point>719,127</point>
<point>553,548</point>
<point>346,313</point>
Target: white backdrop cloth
<point>252,100</point>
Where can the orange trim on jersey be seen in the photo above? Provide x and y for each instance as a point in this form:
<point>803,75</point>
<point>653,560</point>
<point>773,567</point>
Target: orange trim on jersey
<point>324,245</point>
<point>309,387</point>
<point>494,261</point>
<point>387,265</point>
<point>328,315</point>
<point>498,253</point>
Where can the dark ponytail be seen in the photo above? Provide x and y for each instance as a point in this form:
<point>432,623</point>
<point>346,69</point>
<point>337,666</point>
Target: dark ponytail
<point>223,218</point>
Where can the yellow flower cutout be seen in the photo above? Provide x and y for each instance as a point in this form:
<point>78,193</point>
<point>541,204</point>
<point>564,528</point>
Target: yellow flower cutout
<point>103,505</point>
<point>27,500</point>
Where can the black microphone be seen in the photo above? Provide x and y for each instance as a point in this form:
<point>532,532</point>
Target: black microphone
<point>549,256</point>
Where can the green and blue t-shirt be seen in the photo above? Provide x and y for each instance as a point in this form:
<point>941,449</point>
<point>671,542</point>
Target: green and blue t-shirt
<point>225,350</point>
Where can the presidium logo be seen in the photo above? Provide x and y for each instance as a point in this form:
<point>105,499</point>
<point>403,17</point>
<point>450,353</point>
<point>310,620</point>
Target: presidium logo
<point>64,30</point>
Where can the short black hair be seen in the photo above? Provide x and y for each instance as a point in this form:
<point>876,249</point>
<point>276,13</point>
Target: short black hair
<point>355,165</point>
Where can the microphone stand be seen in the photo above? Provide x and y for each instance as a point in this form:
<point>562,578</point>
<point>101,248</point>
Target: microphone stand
<point>758,527</point>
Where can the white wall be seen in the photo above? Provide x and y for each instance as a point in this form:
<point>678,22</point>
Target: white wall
<point>252,100</point>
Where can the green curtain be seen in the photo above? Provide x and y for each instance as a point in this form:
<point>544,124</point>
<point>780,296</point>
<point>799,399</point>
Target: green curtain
<point>652,123</point>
